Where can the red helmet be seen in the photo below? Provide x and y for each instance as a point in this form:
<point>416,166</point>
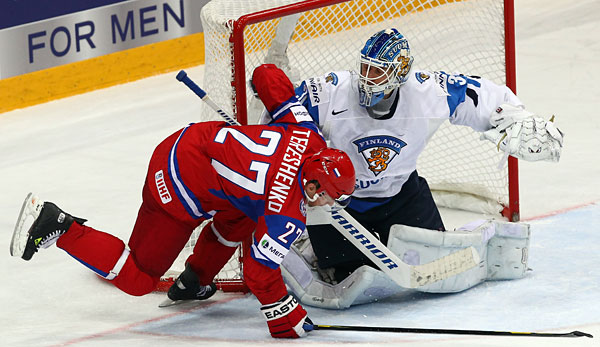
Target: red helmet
<point>333,170</point>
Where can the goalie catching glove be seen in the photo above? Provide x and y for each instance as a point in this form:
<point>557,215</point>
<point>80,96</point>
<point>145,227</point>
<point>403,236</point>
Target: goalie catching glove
<point>523,135</point>
<point>287,318</point>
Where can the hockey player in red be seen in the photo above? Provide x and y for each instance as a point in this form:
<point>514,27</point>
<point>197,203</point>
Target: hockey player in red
<point>252,181</point>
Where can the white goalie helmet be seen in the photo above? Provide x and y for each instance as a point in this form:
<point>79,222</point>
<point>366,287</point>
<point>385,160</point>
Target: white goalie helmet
<point>384,64</point>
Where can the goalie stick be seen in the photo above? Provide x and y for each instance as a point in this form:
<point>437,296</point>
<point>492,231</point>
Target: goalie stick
<point>575,333</point>
<point>405,275</point>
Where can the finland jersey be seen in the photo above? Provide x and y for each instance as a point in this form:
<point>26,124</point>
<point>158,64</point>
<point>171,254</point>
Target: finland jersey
<point>385,151</point>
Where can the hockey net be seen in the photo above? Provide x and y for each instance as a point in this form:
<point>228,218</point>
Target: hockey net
<point>229,279</point>
<point>311,38</point>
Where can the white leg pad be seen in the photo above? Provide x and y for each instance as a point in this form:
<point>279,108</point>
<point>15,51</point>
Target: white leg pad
<point>318,216</point>
<point>508,251</point>
<point>364,285</point>
<point>502,246</point>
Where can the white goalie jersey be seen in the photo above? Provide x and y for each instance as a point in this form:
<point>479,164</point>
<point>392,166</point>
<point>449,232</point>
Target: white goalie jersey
<point>385,151</point>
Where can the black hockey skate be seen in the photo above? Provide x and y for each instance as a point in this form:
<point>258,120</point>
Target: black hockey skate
<point>187,287</point>
<point>50,222</point>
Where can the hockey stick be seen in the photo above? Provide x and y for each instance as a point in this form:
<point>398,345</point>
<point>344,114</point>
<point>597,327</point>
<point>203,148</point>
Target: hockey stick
<point>183,77</point>
<point>575,333</point>
<point>406,276</point>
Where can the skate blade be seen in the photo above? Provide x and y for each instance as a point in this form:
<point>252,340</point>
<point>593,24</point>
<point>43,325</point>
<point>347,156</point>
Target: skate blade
<point>32,206</point>
<point>169,303</point>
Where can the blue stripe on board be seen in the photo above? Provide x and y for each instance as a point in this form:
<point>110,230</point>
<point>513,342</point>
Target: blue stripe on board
<point>18,12</point>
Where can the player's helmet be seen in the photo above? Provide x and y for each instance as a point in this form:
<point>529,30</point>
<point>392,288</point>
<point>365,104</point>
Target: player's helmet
<point>384,65</point>
<point>334,175</point>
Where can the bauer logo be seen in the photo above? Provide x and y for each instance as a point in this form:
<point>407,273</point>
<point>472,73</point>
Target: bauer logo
<point>161,186</point>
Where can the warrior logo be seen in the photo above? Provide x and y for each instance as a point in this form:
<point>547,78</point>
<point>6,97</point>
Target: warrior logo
<point>379,151</point>
<point>314,90</point>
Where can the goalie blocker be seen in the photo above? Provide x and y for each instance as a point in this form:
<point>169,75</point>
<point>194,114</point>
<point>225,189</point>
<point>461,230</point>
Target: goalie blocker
<point>503,247</point>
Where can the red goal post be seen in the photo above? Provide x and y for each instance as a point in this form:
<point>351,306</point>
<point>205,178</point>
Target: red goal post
<point>313,37</point>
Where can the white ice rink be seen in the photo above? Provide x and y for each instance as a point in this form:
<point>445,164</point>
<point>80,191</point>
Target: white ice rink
<point>89,153</point>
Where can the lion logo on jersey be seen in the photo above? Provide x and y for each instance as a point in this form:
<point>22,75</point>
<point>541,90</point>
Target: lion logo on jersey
<point>378,160</point>
<point>379,151</point>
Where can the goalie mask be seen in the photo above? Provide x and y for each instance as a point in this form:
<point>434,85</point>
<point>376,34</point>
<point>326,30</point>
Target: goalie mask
<point>333,173</point>
<point>384,65</point>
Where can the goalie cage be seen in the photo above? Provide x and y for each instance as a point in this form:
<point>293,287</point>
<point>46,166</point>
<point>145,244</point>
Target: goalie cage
<point>311,38</point>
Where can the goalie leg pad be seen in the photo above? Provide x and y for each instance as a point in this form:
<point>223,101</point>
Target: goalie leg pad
<point>417,246</point>
<point>508,251</point>
<point>502,246</point>
<point>364,285</point>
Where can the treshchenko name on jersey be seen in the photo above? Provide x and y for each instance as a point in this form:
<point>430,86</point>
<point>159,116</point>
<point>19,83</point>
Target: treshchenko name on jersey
<point>287,170</point>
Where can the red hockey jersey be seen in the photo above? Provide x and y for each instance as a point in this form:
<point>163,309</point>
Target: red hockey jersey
<point>257,170</point>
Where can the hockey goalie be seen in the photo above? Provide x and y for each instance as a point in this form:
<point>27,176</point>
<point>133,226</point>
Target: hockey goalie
<point>382,115</point>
